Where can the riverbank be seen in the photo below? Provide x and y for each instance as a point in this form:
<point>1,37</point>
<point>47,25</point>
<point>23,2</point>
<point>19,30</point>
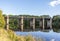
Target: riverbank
<point>9,35</point>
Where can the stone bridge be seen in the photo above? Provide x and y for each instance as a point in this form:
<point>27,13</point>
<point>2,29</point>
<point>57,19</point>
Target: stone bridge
<point>32,22</point>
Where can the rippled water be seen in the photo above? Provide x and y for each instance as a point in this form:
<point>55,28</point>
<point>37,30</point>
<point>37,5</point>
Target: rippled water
<point>46,35</point>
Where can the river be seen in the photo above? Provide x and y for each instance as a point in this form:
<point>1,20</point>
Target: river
<point>39,34</point>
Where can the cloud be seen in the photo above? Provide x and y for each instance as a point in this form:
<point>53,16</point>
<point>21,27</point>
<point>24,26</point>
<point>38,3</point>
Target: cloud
<point>54,3</point>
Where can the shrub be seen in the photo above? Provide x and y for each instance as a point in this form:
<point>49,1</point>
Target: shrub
<point>2,22</point>
<point>30,38</point>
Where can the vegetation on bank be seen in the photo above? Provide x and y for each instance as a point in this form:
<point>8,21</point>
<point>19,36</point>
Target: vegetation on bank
<point>8,35</point>
<point>2,22</point>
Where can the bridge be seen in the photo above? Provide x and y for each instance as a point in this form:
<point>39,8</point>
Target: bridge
<point>32,21</point>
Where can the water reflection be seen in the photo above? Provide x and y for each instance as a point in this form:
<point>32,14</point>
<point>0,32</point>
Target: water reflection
<point>39,34</point>
<point>56,30</point>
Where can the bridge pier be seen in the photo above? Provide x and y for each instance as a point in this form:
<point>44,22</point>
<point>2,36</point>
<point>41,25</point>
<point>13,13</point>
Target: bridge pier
<point>43,24</point>
<point>50,23</point>
<point>22,23</point>
<point>34,23</point>
<point>7,22</point>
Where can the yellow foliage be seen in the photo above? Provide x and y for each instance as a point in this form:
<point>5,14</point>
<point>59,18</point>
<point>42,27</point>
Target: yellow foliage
<point>8,35</point>
<point>30,38</point>
<point>2,21</point>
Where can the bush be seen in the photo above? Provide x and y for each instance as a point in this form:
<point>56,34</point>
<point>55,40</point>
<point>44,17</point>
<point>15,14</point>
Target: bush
<point>2,22</point>
<point>30,38</point>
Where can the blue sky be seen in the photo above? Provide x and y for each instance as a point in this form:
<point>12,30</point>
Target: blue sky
<point>30,7</point>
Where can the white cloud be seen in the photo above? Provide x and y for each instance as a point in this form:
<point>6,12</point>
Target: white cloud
<point>54,3</point>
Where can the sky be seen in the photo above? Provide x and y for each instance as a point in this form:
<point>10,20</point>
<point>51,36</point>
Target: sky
<point>30,7</point>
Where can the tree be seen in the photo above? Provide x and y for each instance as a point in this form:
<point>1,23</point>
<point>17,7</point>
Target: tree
<point>56,23</point>
<point>13,24</point>
<point>2,21</point>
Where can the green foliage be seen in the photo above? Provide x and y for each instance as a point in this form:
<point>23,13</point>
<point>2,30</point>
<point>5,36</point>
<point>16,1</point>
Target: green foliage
<point>45,16</point>
<point>13,23</point>
<point>2,22</point>
<point>37,24</point>
<point>56,23</point>
<point>26,23</point>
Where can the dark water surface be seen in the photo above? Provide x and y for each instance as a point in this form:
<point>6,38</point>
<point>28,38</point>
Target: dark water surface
<point>46,35</point>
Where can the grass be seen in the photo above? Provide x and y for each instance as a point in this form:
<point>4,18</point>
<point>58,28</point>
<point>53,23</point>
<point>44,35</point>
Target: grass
<point>9,35</point>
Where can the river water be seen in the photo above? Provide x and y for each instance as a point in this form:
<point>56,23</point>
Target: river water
<point>48,36</point>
